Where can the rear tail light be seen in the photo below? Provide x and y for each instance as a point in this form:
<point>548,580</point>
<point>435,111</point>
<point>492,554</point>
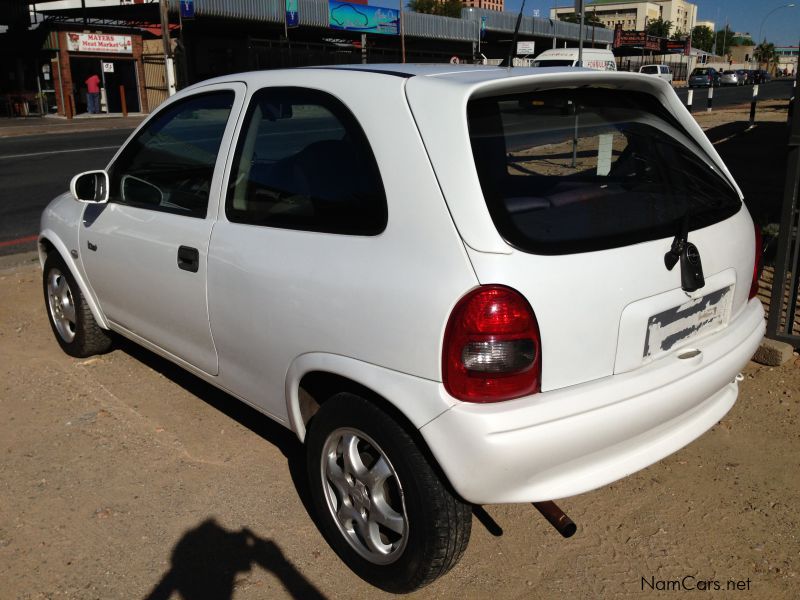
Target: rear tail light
<point>756,264</point>
<point>492,347</point>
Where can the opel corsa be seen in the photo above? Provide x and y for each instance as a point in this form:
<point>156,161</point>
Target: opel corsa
<point>456,285</point>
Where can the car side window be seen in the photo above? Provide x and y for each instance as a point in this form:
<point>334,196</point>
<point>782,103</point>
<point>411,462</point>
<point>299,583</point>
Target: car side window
<point>168,166</point>
<point>304,162</point>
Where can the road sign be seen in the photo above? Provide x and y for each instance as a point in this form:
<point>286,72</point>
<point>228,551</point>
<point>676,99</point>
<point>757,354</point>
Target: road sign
<point>526,48</point>
<point>292,15</point>
<point>187,9</point>
<point>108,67</point>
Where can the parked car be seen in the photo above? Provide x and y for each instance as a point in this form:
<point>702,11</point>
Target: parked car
<point>762,76</point>
<point>729,77</point>
<point>744,77</point>
<point>660,71</point>
<point>474,319</point>
<point>704,77</point>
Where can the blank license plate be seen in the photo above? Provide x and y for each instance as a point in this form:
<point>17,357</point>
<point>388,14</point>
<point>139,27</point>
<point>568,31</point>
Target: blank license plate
<point>694,319</point>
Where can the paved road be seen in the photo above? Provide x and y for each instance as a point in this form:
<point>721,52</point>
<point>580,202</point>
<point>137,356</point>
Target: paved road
<point>35,169</point>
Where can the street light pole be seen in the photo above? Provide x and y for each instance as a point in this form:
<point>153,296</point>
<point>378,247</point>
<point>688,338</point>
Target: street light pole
<point>764,20</point>
<point>761,29</point>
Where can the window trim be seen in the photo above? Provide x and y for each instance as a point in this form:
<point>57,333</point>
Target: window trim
<point>503,224</point>
<point>169,105</point>
<point>350,123</point>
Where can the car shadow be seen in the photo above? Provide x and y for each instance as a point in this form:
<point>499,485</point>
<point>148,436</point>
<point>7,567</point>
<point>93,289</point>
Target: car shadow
<point>274,433</point>
<point>756,157</point>
<point>207,559</point>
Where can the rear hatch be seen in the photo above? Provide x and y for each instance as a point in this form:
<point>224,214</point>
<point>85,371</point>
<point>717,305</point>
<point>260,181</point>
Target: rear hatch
<point>587,187</point>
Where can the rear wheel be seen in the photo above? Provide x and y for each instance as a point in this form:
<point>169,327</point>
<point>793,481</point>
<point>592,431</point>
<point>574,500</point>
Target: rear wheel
<point>72,321</point>
<point>380,504</point>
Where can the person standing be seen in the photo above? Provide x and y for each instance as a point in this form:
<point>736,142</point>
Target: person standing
<point>93,93</point>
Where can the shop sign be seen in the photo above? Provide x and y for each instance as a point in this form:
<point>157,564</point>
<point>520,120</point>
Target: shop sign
<point>526,48</point>
<point>99,42</point>
<point>362,18</point>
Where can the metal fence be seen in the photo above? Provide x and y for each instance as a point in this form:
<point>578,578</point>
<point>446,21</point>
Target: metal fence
<point>783,303</point>
<point>314,13</point>
<point>280,54</point>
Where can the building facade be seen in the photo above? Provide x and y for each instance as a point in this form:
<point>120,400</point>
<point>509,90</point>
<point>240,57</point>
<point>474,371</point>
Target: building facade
<point>485,4</point>
<point>787,58</point>
<point>634,14</point>
<point>710,24</point>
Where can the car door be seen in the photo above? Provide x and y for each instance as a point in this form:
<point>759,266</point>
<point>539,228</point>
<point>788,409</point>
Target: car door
<point>145,251</point>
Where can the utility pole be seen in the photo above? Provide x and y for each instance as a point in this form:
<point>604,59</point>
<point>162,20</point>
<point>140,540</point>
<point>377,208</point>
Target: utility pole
<point>168,58</point>
<point>402,34</point>
<point>579,7</point>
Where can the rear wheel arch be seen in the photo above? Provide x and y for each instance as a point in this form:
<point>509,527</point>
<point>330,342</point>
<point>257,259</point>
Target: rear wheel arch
<point>318,386</point>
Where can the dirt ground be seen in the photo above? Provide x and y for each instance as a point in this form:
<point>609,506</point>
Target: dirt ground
<point>123,477</point>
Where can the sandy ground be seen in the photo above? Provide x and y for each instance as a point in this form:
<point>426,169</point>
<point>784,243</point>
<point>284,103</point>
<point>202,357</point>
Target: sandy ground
<point>123,477</point>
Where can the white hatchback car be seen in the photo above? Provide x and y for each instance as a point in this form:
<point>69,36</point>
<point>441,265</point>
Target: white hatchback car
<point>660,71</point>
<point>449,297</point>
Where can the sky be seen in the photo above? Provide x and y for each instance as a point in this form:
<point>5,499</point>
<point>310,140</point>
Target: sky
<point>781,28</point>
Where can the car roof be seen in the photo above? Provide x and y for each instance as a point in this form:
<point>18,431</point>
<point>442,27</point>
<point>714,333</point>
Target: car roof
<point>458,73</point>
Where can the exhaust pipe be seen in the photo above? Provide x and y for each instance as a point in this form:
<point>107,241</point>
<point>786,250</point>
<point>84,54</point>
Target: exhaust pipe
<point>557,518</point>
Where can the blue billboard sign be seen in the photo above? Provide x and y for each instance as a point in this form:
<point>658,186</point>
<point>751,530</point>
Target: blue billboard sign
<point>292,16</point>
<point>363,18</point>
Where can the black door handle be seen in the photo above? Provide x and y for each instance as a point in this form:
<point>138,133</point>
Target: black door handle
<point>188,259</point>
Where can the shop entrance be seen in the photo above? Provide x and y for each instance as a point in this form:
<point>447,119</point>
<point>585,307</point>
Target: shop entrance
<point>113,73</point>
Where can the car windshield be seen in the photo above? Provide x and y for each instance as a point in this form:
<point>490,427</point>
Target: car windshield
<point>553,63</point>
<point>566,171</point>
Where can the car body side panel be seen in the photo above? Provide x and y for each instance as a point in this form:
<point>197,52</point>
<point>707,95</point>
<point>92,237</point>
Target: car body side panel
<point>420,400</point>
<point>275,294</point>
<point>130,255</point>
<point>60,225</point>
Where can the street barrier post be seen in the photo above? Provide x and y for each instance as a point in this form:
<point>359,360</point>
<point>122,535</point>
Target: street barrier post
<point>123,101</point>
<point>689,98</point>
<point>710,97</point>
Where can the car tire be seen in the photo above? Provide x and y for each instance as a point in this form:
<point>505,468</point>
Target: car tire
<point>70,318</point>
<point>384,510</point>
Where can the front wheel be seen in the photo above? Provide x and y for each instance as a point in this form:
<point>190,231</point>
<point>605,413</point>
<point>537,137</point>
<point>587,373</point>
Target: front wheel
<point>72,321</point>
<point>379,503</point>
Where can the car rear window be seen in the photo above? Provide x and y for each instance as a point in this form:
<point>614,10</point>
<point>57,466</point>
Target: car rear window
<point>576,170</point>
<point>700,72</point>
<point>652,69</point>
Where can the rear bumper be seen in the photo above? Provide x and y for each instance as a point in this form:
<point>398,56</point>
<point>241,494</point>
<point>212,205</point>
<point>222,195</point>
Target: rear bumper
<point>572,440</point>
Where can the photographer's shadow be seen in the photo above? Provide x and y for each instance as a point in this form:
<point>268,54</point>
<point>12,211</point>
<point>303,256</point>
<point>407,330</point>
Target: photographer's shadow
<point>206,560</point>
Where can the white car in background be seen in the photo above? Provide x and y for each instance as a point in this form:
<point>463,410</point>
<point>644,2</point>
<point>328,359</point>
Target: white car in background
<point>423,271</point>
<point>597,59</point>
<point>730,77</point>
<point>660,71</point>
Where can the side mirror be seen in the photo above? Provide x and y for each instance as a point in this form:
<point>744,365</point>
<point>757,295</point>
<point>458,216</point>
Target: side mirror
<point>90,186</point>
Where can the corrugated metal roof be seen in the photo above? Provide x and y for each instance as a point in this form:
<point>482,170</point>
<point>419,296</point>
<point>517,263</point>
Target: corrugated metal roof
<point>314,13</point>
<point>505,22</point>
